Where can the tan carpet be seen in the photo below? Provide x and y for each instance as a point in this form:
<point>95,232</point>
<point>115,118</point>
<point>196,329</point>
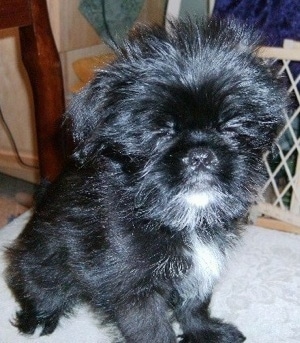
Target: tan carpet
<point>259,292</point>
<point>9,210</point>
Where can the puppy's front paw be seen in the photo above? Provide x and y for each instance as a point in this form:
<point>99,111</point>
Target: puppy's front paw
<point>220,333</point>
<point>225,333</point>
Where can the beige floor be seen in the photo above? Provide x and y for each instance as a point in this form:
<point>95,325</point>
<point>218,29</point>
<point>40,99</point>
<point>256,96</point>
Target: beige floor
<point>259,292</point>
<point>15,198</point>
<point>9,209</point>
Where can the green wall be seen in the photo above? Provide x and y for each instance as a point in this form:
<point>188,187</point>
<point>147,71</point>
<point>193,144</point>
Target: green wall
<point>191,7</point>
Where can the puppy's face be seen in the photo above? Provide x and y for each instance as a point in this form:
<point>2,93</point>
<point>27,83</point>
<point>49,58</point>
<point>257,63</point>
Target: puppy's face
<point>201,156</point>
<point>192,112</point>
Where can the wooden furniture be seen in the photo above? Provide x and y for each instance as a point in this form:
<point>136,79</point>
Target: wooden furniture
<point>41,60</point>
<point>75,38</point>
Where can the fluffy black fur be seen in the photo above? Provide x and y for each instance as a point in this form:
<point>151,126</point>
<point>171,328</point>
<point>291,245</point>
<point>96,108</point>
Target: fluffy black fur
<point>170,139</point>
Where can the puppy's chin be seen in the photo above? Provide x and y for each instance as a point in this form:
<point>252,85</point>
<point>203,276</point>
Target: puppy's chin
<point>199,199</point>
<point>200,190</point>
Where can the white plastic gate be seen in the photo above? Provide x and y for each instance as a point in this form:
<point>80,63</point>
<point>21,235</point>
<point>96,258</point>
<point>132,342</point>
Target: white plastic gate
<point>280,205</point>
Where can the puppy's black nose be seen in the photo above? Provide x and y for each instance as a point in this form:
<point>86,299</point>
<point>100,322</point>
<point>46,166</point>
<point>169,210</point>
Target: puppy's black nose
<point>201,158</point>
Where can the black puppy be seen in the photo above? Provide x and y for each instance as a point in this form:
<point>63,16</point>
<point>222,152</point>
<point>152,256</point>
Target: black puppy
<point>170,139</point>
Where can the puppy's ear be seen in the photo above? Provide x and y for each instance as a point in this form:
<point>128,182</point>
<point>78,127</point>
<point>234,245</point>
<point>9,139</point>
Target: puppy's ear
<point>87,113</point>
<point>86,110</point>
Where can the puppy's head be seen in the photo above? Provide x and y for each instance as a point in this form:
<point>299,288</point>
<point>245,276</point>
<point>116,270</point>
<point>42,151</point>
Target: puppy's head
<point>188,115</point>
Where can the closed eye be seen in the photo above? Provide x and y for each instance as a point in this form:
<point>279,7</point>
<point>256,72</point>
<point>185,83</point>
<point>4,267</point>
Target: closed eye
<point>167,131</point>
<point>165,128</point>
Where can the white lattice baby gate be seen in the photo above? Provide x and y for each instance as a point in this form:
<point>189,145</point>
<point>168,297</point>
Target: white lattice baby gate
<point>280,207</point>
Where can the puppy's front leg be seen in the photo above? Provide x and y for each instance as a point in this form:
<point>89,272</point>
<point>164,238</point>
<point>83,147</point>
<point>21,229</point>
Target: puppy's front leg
<point>198,326</point>
<point>145,320</point>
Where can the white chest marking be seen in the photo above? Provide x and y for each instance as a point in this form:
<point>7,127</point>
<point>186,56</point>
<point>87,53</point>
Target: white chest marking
<point>207,264</point>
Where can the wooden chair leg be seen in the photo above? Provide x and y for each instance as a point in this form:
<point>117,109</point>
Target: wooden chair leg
<point>41,60</point>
